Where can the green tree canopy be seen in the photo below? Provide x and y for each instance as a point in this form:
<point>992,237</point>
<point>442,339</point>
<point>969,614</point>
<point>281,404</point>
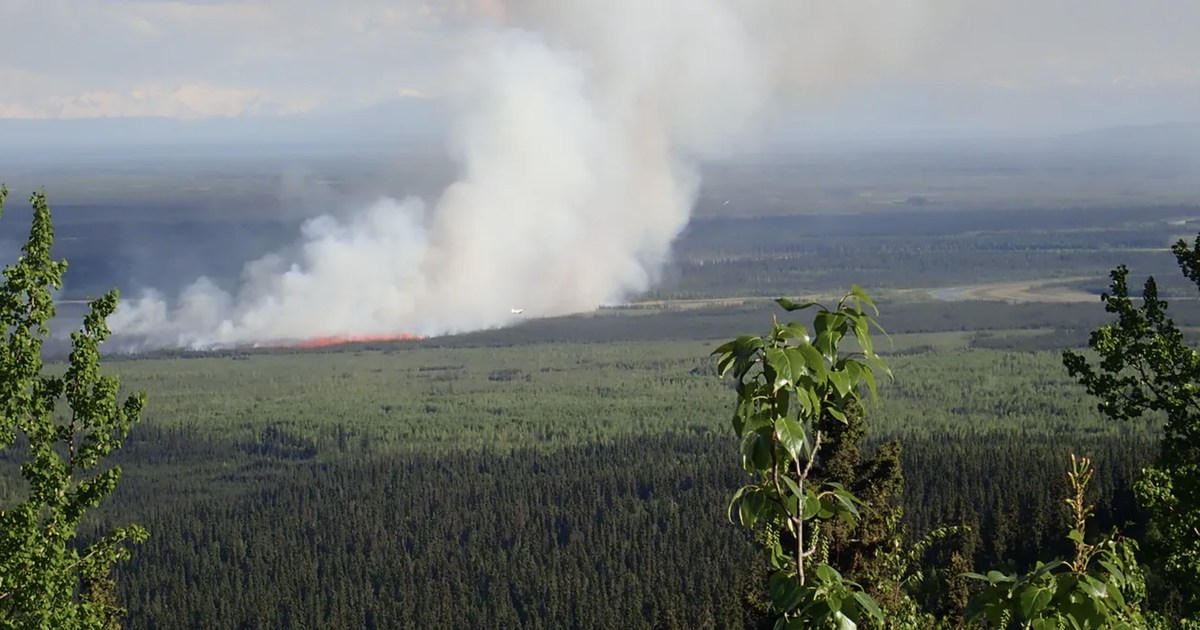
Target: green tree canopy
<point>1146,367</point>
<point>46,580</point>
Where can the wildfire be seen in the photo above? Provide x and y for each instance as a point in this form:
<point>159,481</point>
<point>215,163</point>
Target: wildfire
<point>321,342</point>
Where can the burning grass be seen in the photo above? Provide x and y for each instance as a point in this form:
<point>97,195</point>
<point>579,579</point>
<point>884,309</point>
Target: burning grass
<point>323,342</point>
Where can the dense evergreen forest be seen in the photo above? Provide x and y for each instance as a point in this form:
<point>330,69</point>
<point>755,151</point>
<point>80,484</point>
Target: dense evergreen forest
<point>629,534</point>
<point>576,471</point>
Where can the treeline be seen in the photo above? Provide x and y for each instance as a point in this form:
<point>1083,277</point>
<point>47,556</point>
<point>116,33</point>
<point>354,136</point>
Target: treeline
<point>772,256</point>
<point>898,248</point>
<point>774,233</point>
<point>628,534</point>
<point>720,322</point>
<point>901,268</point>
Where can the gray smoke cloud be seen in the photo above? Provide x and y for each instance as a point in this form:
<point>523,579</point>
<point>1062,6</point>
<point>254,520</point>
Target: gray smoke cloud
<point>577,129</point>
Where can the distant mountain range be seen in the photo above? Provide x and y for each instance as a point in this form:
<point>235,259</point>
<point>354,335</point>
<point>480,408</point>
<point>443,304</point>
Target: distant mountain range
<point>410,119</point>
<point>421,125</point>
<point>1162,138</point>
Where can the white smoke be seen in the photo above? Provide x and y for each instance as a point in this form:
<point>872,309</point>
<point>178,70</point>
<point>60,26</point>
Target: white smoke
<point>574,140</point>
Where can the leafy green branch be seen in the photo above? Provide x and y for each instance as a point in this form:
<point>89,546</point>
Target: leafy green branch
<point>791,386</point>
<point>1147,367</point>
<point>44,580</point>
<point>1100,588</point>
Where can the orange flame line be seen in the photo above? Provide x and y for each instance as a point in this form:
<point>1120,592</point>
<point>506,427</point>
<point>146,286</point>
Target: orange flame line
<point>321,342</point>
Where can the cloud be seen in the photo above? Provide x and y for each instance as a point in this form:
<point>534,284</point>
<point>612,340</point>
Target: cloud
<point>1038,44</point>
<point>86,56</point>
<point>186,102</point>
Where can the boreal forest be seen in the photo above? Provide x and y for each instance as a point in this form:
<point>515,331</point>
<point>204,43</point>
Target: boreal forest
<point>900,419</point>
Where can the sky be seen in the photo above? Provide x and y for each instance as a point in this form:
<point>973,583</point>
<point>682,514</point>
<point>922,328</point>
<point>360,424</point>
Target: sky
<point>999,65</point>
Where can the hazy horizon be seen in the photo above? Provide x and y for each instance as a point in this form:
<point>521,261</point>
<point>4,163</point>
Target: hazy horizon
<point>576,129</point>
<point>90,73</point>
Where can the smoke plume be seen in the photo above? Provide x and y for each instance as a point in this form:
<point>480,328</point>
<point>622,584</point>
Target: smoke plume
<point>575,135</point>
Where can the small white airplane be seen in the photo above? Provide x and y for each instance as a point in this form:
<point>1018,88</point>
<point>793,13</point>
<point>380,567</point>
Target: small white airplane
<point>517,311</point>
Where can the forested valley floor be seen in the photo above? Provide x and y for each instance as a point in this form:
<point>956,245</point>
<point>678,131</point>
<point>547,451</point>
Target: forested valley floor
<point>575,472</point>
<point>493,481</point>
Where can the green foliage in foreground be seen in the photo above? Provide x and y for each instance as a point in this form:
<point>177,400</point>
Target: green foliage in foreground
<point>1146,367</point>
<point>1102,587</point>
<point>793,390</point>
<point>790,387</point>
<point>46,582</point>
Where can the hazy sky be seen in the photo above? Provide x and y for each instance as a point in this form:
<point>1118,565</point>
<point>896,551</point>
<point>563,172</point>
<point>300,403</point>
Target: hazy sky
<point>1010,62</point>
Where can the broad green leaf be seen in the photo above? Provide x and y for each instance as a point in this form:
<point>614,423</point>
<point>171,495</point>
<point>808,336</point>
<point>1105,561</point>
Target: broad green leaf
<point>759,421</point>
<point>734,501</point>
<point>724,364</point>
<point>882,365</point>
<point>828,574</point>
<point>788,364</point>
<point>876,324</point>
<point>863,335</point>
<point>1116,573</point>
<point>815,362</point>
<point>812,506</point>
<point>789,305</point>
<point>794,330</point>
<point>869,605</point>
<point>837,413</point>
<point>792,485</point>
<point>746,511</point>
<point>869,376</point>
<point>1093,587</point>
<point>813,398</point>
<point>744,349</point>
<point>844,499</point>
<point>791,436</point>
<point>1045,568</point>
<point>1115,598</point>
<point>728,346</point>
<point>1033,600</point>
<point>826,344</point>
<point>1065,582</point>
<point>793,507</point>
<point>761,456</point>
<point>1086,613</point>
<point>862,295</point>
<point>805,400</point>
<point>752,508</point>
<point>850,367</point>
<point>841,382</point>
<point>976,606</point>
<point>996,577</point>
<point>785,591</point>
<point>746,344</point>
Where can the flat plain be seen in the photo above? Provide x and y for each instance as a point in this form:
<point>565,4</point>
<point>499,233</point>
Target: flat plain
<point>331,486</point>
